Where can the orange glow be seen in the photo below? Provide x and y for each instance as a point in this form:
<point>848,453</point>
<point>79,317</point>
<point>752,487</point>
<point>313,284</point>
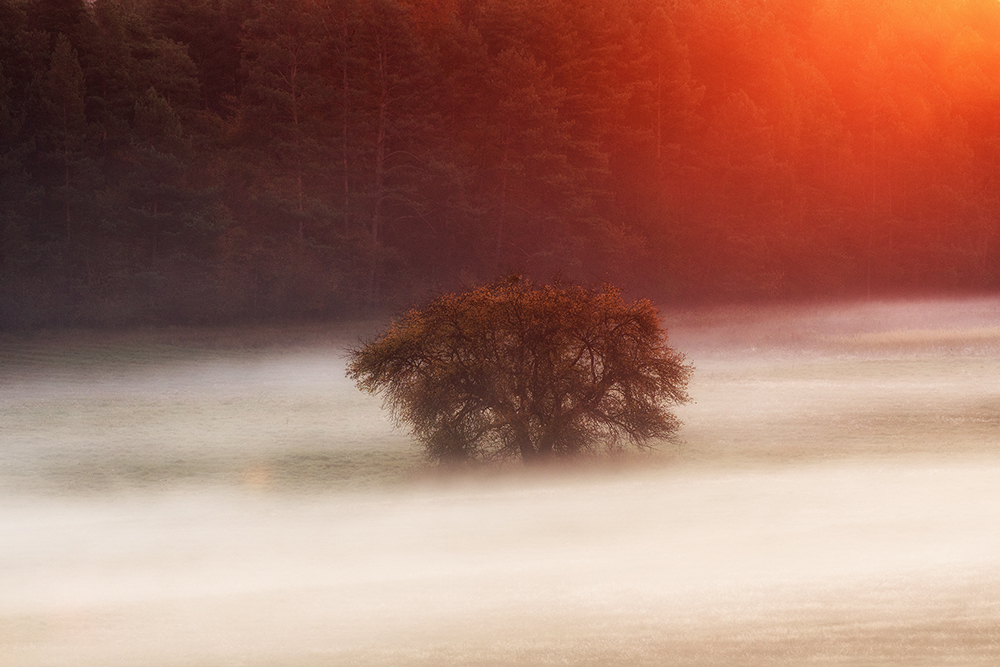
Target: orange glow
<point>318,158</point>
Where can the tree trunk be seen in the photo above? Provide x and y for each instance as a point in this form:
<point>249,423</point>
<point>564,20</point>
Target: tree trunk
<point>529,453</point>
<point>380,153</point>
<point>66,175</point>
<point>501,218</point>
<point>297,142</point>
<point>659,106</point>
<point>345,36</point>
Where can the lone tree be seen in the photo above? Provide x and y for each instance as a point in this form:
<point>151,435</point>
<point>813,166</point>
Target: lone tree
<point>515,369</point>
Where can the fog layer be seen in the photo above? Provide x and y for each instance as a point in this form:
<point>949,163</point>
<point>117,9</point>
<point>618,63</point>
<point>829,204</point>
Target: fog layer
<point>832,499</point>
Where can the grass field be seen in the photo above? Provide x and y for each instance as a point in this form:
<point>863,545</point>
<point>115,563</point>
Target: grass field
<point>226,497</point>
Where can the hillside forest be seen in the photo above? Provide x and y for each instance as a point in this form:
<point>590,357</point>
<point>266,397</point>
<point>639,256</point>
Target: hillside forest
<point>213,161</point>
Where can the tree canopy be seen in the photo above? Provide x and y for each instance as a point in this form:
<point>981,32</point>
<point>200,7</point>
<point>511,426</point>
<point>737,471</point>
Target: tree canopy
<point>515,369</point>
<point>194,161</point>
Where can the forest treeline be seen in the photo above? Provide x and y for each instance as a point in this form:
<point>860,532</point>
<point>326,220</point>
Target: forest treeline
<point>185,161</point>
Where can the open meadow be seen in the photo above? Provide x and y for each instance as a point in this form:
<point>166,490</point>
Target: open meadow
<point>214,498</point>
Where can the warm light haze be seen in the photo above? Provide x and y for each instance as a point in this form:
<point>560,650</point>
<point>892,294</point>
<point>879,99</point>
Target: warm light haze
<point>688,312</point>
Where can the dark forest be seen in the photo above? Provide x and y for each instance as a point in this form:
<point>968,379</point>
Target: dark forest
<point>225,161</point>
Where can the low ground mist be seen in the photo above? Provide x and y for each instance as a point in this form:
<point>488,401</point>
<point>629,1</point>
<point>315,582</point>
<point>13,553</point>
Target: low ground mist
<point>228,497</point>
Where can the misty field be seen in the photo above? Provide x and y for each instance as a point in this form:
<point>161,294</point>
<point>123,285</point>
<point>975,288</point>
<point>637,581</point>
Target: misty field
<point>207,498</point>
